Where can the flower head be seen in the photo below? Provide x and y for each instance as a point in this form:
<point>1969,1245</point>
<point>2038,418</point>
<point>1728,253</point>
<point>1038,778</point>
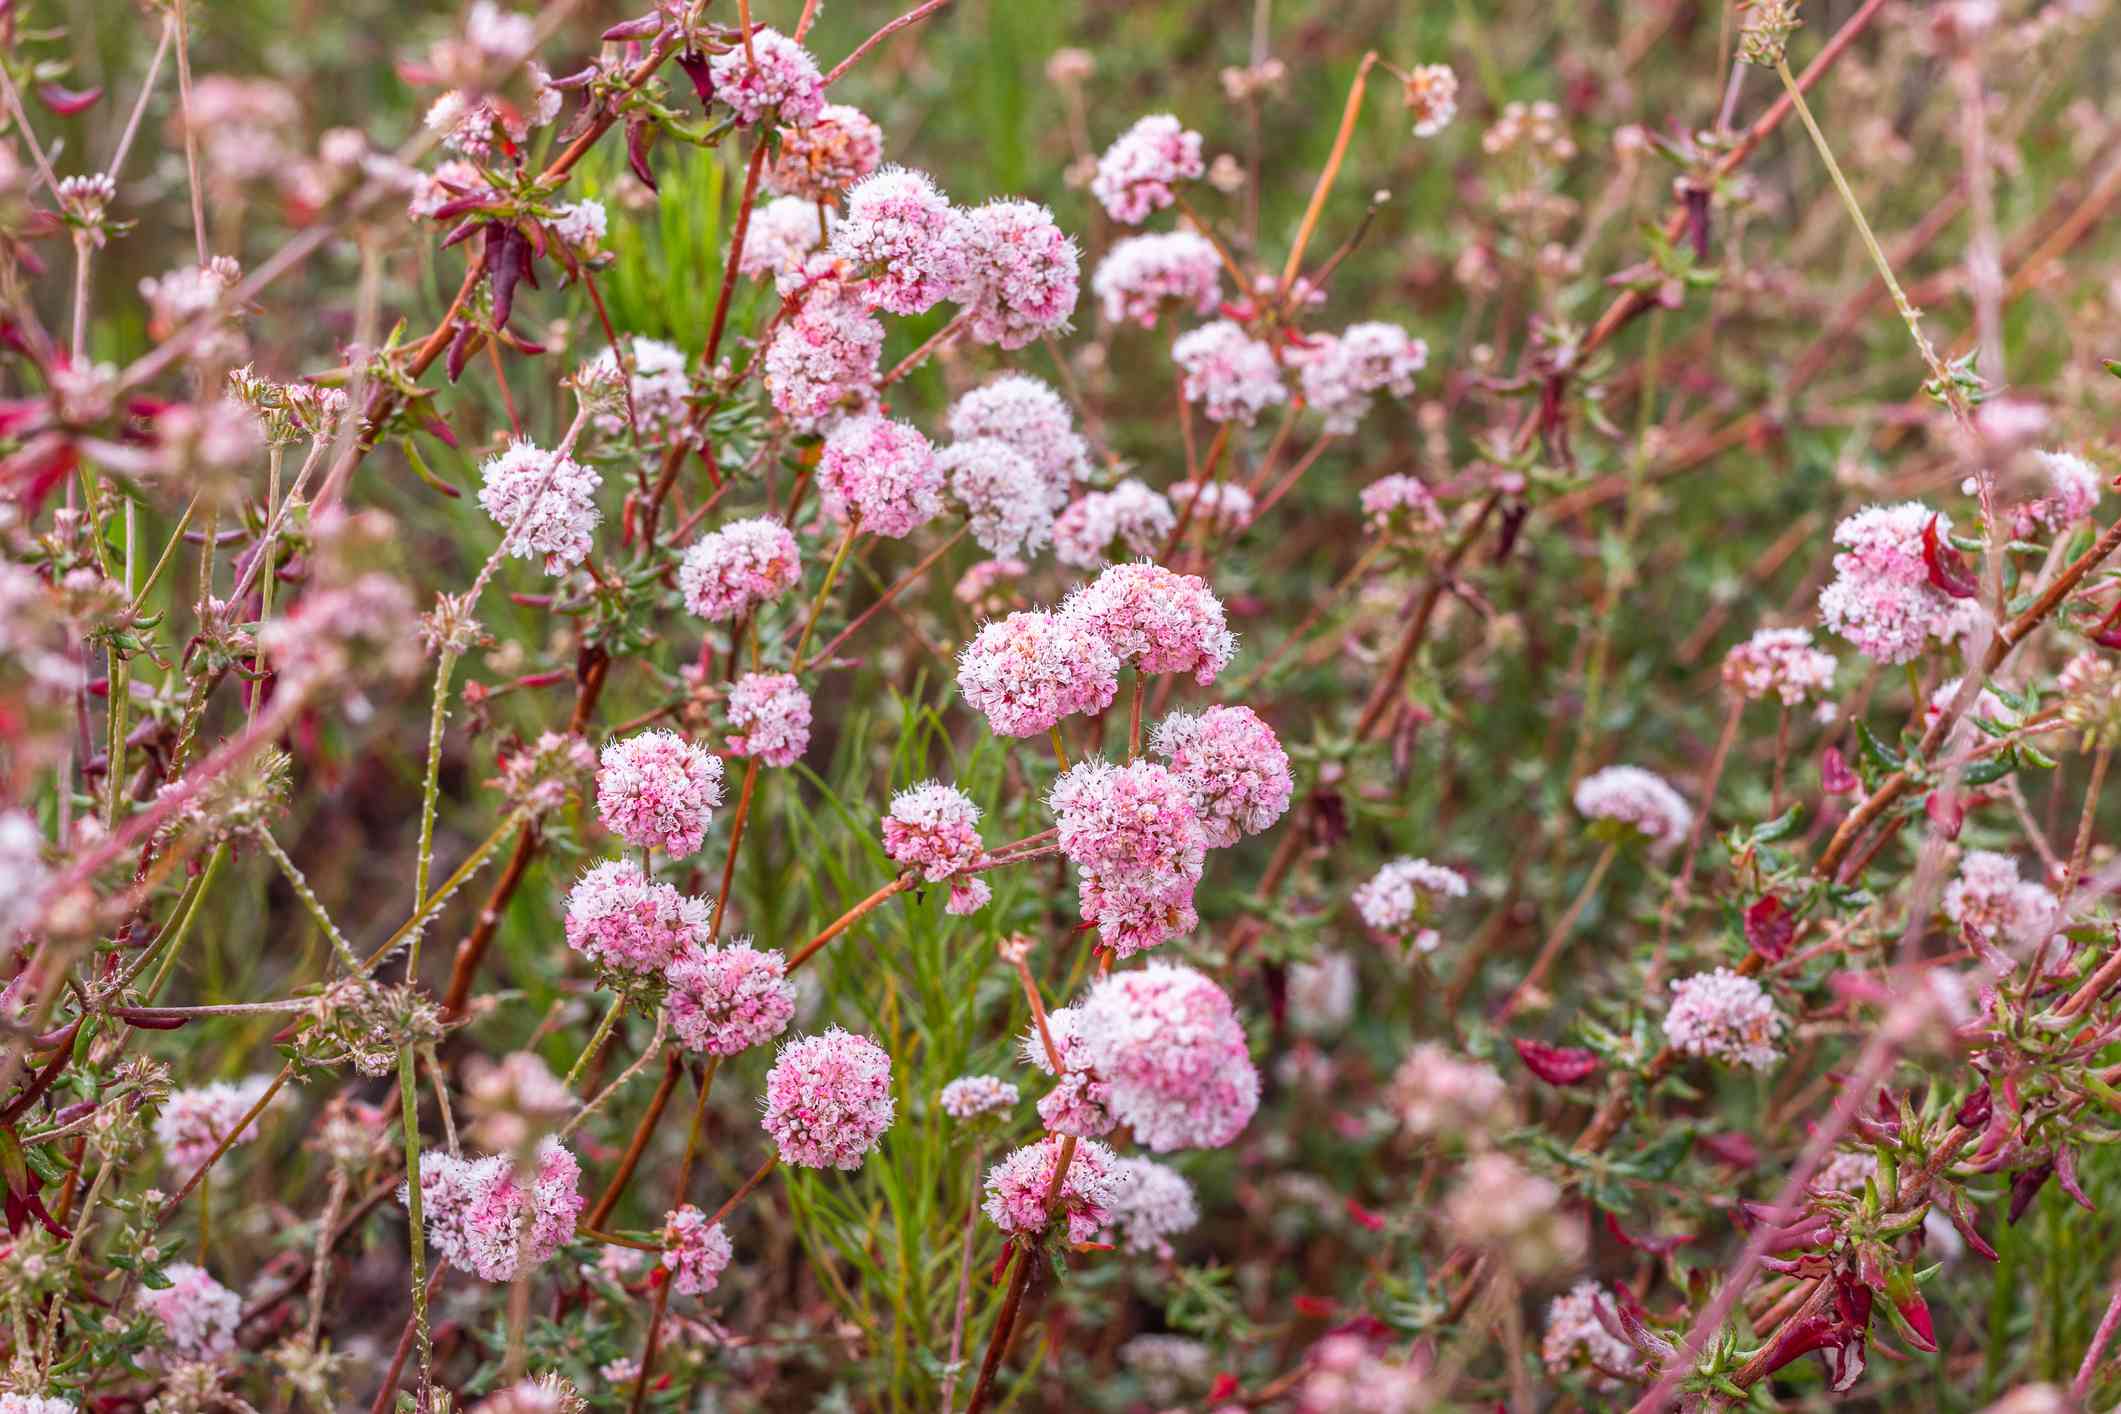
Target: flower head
<point>729,998</point>
<point>1220,504</point>
<point>933,828</point>
<point>695,1251</point>
<point>770,717</point>
<point>193,1123</point>
<point>484,1218</point>
<point>1342,374</point>
<point>1437,1094</point>
<point>619,918</point>
<point>1142,276</point>
<point>737,568</point>
<point>1400,504</point>
<point>1506,1209</point>
<point>821,365</point>
<point>1233,764</point>
<point>2073,484</point>
<point>1029,670</point>
<point>1995,906</point>
<point>1322,993</point>
<point>1168,1042</point>
<point>659,387</point>
<point>1431,91</point>
<point>1030,417</point>
<point>1156,619</point>
<point>970,1096</point>
<point>1636,799</point>
<point>1781,661</point>
<point>828,1099</point>
<point>1400,898</point>
<point>656,790</point>
<point>1882,599</point>
<point>783,84</point>
<point>883,471</point>
<point>1099,527</point>
<point>1573,1329</point>
<point>1021,274</point>
<point>543,501</point>
<point>1017,1187</point>
<point>903,233</point>
<point>838,147</point>
<point>1003,494</point>
<point>781,235</point>
<point>1726,1016</point>
<point>1150,1204</point>
<point>1138,845</point>
<point>1231,375</point>
<point>198,1314</point>
<point>1137,173</point>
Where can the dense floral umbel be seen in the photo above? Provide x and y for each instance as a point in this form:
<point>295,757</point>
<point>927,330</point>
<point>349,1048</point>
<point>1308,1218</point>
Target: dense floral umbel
<point>1438,1094</point>
<point>828,1099</point>
<point>198,1315</point>
<point>1575,1333</point>
<point>1029,670</point>
<point>883,471</point>
<point>1151,1203</point>
<point>1231,375</point>
<point>1233,764</point>
<point>1724,1016</point>
<point>1781,662</point>
<point>1021,274</point>
<point>1156,620</point>
<point>656,790</point>
<point>193,1123</point>
<point>1137,843</point>
<point>739,567</point>
<point>1143,277</point>
<point>970,1096</point>
<point>1882,598</point>
<point>1004,497</point>
<point>728,998</point>
<point>1139,171</point>
<point>1080,1103</point>
<point>837,148</point>
<point>1030,417</point>
<point>1168,1042</point>
<point>1101,526</point>
<point>619,918</point>
<point>1018,1186</point>
<point>933,828</point>
<point>34,1404</point>
<point>903,233</point>
<point>769,717</point>
<point>1995,906</point>
<point>822,364</point>
<point>1343,374</point>
<point>485,1218</point>
<point>1639,800</point>
<point>782,84</point>
<point>782,236</point>
<point>1399,899</point>
<point>543,501</point>
<point>695,1251</point>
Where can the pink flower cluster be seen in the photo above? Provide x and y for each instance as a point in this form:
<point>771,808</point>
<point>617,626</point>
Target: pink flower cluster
<point>2074,485</point>
<point>544,502</point>
<point>1029,670</point>
<point>1637,799</point>
<point>1995,906</point>
<point>1142,275</point>
<point>695,1251</point>
<point>1322,993</point>
<point>840,146</point>
<point>1101,526</point>
<point>822,363</point>
<point>1017,1188</point>
<point>1398,900</point>
<point>1726,1016</point>
<point>1881,598</point>
<point>656,790</point>
<point>783,84</point>
<point>828,1099</point>
<point>933,828</point>
<point>781,235</point>
<point>621,919</point>
<point>1151,1203</point>
<point>738,567</point>
<point>1168,1042</point>
<point>1232,375</point>
<point>1221,504</point>
<point>1138,846</point>
<point>1234,766</point>
<point>770,717</point>
<point>1438,1094</point>
<point>970,1096</point>
<point>1156,619</point>
<point>1030,417</point>
<point>1574,1328</point>
<point>1342,374</point>
<point>1003,495</point>
<point>1080,1103</point>
<point>193,1123</point>
<point>729,998</point>
<point>1138,171</point>
<point>1781,661</point>
<point>481,1218</point>
<point>658,385</point>
<point>903,233</point>
<point>883,471</point>
<point>1400,504</point>
<point>199,1316</point>
<point>1021,274</point>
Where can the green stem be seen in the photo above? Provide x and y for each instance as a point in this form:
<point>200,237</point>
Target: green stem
<point>428,793</point>
<point>409,1112</point>
<point>183,929</point>
<point>596,1042</point>
<point>310,901</point>
<point>832,572</point>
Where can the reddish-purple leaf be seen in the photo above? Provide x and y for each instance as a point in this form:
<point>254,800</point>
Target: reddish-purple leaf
<point>2066,1175</point>
<point>695,67</point>
<point>1976,1109</point>
<point>1769,927</point>
<point>1916,1313</point>
<point>1733,1150</point>
<point>1835,777</point>
<point>460,351</point>
<point>1657,1245</point>
<point>640,133</point>
<point>67,101</point>
<point>1556,1065</point>
<point>2026,1185</point>
<point>1947,566</point>
<point>1946,812</point>
<point>634,29</point>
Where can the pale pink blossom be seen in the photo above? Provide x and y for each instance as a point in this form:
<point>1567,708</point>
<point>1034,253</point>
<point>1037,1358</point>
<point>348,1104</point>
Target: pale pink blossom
<point>828,1099</point>
<point>1234,766</point>
<point>1574,1330</point>
<point>1027,671</point>
<point>1431,92</point>
<point>193,1122</point>
<point>1021,274</point>
<point>1637,799</point>
<point>1150,1204</point>
<point>1142,276</point>
<point>1030,417</point>
<point>837,148</point>
<point>769,717</point>
<point>1231,375</point>
<point>1138,846</point>
<point>989,587</point>
<point>1781,661</point>
<point>1099,527</point>
<point>1343,1375</point>
<point>1401,898</point>
<point>1017,1188</point>
<point>783,84</point>
<point>970,1096</point>
<point>655,790</point>
<point>1437,1094</point>
<point>1169,1043</point>
<point>695,1251</point>
<point>543,501</point>
<point>1513,1213</point>
<point>781,236</point>
<point>1156,619</point>
<point>728,998</point>
<point>658,385</point>
<point>1080,1103</point>
<point>1222,505</point>
<point>1400,504</point>
<point>883,471</point>
<point>903,233</point>
<point>619,918</point>
<point>1995,906</point>
<point>1321,995</point>
<point>739,567</point>
<point>1882,599</point>
<point>198,1315</point>
<point>1003,494</point>
<point>1725,1016</point>
<point>484,1219</point>
<point>821,365</point>
<point>1138,171</point>
<point>2074,485</point>
<point>1343,374</point>
<point>933,828</point>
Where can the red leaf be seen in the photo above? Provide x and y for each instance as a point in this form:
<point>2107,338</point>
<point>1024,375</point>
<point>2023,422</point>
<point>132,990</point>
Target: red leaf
<point>1363,1217</point>
<point>1656,1246</point>
<point>1556,1065</point>
<point>1834,773</point>
<point>1734,1149</point>
<point>1947,813</point>
<point>1947,566</point>
<point>1318,1306</point>
<point>66,101</point>
<point>1225,1387</point>
<point>1769,927</point>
